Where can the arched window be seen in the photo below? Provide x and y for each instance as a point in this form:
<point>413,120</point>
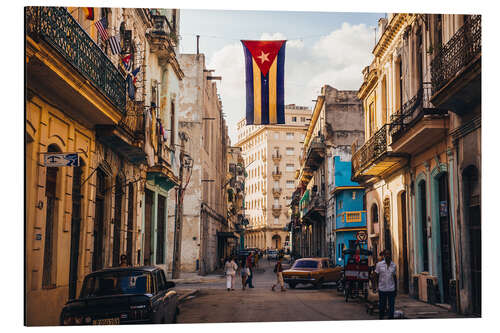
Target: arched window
<point>374,213</point>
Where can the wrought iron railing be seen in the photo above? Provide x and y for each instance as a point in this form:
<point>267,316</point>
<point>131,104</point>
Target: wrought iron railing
<point>412,111</point>
<point>457,53</point>
<point>57,27</point>
<point>375,147</point>
<point>134,119</point>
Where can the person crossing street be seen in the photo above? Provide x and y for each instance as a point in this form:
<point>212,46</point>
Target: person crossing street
<point>278,269</point>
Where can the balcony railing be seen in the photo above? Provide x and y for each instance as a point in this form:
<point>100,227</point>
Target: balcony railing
<point>134,120</point>
<point>58,28</point>
<point>353,217</point>
<point>315,202</point>
<point>276,191</point>
<point>277,174</point>
<point>375,147</point>
<point>162,27</point>
<point>276,157</point>
<point>457,53</point>
<point>412,111</point>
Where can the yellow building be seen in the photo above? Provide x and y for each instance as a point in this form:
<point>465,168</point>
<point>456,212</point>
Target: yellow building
<point>81,219</point>
<point>271,158</point>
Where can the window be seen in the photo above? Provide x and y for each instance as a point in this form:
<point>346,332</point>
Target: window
<point>294,119</point>
<point>276,184</point>
<point>339,204</point>
<point>290,167</point>
<point>290,184</point>
<point>303,119</point>
<point>289,151</point>
<point>371,118</point>
<point>276,220</point>
<point>289,136</point>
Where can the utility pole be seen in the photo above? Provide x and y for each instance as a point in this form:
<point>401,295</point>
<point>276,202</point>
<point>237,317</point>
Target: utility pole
<point>179,214</point>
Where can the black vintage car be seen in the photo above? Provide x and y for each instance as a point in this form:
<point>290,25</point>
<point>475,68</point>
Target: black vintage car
<point>128,295</point>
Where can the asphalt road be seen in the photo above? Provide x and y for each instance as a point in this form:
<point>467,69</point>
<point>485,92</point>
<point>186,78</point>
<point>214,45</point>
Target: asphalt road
<point>214,304</point>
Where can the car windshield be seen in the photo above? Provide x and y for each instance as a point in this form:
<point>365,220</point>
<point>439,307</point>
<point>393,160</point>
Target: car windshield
<point>117,283</point>
<point>306,264</point>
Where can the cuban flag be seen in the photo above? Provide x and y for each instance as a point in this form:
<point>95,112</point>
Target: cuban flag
<point>127,63</point>
<point>265,74</point>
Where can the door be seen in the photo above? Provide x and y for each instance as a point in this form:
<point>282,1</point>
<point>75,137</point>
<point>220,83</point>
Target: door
<point>148,215</point>
<point>444,233</point>
<point>97,255</point>
<point>406,278</point>
<point>160,232</point>
<point>130,224</point>
<point>117,222</point>
<point>76,216</point>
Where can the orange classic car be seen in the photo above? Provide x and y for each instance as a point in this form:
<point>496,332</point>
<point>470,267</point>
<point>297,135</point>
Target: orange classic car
<point>315,271</point>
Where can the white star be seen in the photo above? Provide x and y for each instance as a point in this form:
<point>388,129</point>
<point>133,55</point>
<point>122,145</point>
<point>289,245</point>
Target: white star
<point>263,57</point>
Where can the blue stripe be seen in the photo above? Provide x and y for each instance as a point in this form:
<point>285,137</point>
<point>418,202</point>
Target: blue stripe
<point>280,86</point>
<point>249,84</point>
<point>264,101</point>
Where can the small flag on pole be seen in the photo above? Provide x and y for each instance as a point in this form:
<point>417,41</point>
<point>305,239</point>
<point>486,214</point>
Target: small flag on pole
<point>114,43</point>
<point>134,73</point>
<point>102,26</point>
<point>265,74</point>
<point>131,87</point>
<point>126,62</point>
<point>89,13</point>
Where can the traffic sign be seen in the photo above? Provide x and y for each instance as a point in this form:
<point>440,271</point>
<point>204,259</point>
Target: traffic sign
<point>361,236</point>
<point>61,159</point>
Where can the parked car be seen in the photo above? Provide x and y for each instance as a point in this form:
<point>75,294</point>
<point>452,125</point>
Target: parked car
<point>315,271</point>
<point>128,295</point>
<point>272,254</point>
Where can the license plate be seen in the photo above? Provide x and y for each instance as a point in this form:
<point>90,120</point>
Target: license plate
<point>107,321</point>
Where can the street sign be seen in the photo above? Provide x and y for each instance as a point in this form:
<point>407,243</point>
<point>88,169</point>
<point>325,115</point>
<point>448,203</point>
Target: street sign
<point>61,159</point>
<point>361,236</point>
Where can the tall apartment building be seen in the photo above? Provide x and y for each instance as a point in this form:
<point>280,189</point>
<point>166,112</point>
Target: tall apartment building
<point>271,154</point>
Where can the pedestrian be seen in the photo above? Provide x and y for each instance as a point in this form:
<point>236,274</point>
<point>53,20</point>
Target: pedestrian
<point>230,268</point>
<point>123,260</point>
<point>256,260</point>
<point>244,274</point>
<point>385,278</point>
<point>278,269</point>
<point>249,264</point>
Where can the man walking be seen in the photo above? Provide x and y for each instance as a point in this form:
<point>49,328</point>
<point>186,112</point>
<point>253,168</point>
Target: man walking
<point>385,278</point>
<point>249,263</point>
<point>278,269</point>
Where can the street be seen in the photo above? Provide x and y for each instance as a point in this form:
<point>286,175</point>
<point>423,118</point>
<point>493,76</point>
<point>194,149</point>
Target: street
<point>214,304</point>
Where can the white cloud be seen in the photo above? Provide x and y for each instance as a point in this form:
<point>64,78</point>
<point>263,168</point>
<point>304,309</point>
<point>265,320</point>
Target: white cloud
<point>336,59</point>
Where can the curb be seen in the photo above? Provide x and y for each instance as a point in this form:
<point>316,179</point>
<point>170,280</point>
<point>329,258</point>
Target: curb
<point>184,297</point>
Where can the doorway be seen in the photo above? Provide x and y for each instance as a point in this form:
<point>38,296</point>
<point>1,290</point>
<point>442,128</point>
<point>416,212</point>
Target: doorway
<point>276,242</point>
<point>472,203</point>
<point>117,221</point>
<point>444,235</point>
<point>148,216</point>
<point>97,254</point>
<point>76,217</point>
<point>406,279</point>
<point>422,209</point>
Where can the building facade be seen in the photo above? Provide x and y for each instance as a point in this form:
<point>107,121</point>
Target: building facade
<point>235,187</point>
<point>205,201</point>
<point>81,219</point>
<point>270,153</point>
<point>336,122</point>
<point>421,96</point>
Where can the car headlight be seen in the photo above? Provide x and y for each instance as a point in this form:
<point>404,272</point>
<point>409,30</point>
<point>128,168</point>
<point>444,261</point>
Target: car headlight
<point>69,320</point>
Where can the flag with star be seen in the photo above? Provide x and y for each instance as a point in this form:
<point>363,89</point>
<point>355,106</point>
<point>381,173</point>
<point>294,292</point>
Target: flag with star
<point>265,74</point>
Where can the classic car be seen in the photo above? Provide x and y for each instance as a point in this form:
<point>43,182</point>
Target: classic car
<point>315,271</point>
<point>272,254</point>
<point>125,295</point>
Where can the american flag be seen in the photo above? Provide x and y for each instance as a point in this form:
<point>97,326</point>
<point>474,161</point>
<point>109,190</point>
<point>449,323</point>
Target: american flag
<point>101,26</point>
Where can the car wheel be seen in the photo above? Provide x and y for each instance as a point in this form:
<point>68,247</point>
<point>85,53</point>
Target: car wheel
<point>318,284</point>
<point>291,285</point>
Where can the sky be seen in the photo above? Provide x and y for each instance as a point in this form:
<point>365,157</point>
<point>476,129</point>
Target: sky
<point>322,48</point>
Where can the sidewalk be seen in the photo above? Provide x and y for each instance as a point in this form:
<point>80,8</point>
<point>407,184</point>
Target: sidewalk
<point>416,309</point>
<point>194,278</point>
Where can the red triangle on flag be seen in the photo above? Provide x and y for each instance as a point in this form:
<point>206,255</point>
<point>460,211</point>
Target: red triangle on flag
<point>263,52</point>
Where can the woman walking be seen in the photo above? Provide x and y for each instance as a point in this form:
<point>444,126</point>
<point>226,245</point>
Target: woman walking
<point>244,274</point>
<point>230,268</point>
<point>278,269</point>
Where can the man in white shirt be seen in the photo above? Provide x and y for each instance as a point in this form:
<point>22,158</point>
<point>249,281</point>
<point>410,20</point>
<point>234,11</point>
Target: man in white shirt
<point>385,276</point>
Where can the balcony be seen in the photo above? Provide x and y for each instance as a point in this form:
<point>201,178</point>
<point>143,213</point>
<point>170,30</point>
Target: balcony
<point>347,220</point>
<point>277,175</point>
<point>456,69</point>
<point>374,158</point>
<point>127,138</point>
<point>276,191</point>
<point>162,37</point>
<point>418,125</point>
<point>315,153</point>
<point>313,206</point>
<point>276,157</point>
<point>276,210</point>
<point>64,62</point>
